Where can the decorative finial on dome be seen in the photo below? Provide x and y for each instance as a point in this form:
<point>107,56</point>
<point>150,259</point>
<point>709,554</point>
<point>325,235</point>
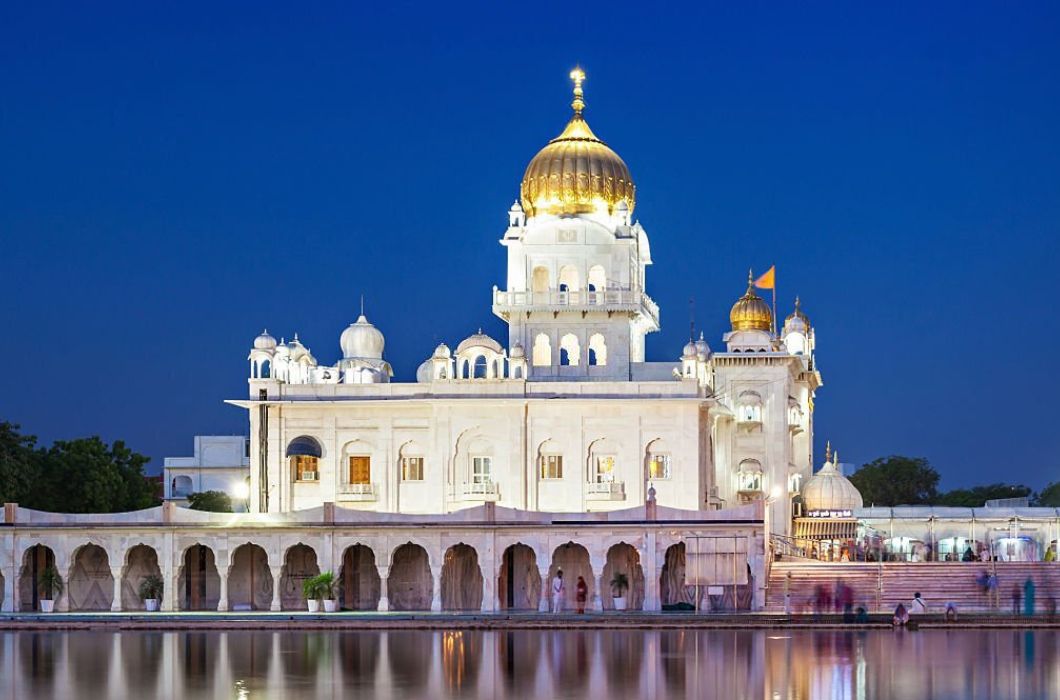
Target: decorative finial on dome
<point>362,303</point>
<point>578,75</point>
<point>828,451</point>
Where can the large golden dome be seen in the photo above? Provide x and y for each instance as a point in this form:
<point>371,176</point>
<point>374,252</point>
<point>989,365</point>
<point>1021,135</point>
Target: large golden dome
<point>751,312</point>
<point>576,172</point>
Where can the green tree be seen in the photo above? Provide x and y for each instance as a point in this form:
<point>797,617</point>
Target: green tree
<point>976,496</point>
<point>897,480</point>
<point>19,464</point>
<point>1050,495</point>
<point>213,501</point>
<point>88,476</point>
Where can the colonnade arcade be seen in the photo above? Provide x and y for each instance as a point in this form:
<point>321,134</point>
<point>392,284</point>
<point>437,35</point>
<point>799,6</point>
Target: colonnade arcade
<point>480,569</point>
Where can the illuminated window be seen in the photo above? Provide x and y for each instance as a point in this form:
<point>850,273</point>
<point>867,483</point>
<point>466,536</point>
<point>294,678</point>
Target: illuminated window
<point>542,354</point>
<point>481,468</point>
<point>659,466</point>
<point>569,350</point>
<point>605,469</point>
<point>360,469</point>
<point>551,466</point>
<point>750,475</point>
<point>304,467</point>
<point>412,468</point>
<point>597,350</point>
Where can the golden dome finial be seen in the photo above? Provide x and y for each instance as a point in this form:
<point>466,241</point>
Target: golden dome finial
<point>578,76</point>
<point>750,312</point>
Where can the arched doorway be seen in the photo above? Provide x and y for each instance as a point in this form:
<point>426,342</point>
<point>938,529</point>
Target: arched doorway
<point>299,565</point>
<point>141,561</point>
<point>519,583</point>
<point>360,588</point>
<point>573,559</point>
<point>35,560</point>
<point>199,582</point>
<point>672,588</point>
<point>91,585</point>
<point>410,586</point>
<point>623,558</point>
<point>461,579</point>
<point>249,580</point>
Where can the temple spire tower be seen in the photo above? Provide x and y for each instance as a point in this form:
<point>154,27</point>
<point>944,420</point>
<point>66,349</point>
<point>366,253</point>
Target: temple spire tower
<point>575,296</point>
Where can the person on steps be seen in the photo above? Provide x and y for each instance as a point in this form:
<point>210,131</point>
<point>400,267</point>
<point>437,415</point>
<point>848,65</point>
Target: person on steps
<point>901,616</point>
<point>557,592</point>
<point>919,606</point>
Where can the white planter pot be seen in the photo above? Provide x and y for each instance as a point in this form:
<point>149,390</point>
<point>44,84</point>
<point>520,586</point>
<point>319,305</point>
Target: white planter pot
<point>314,605</point>
<point>47,606</point>
<point>331,605</point>
<point>151,604</point>
<point>620,603</point>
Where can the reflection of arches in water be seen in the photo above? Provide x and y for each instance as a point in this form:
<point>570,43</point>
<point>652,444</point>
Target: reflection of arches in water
<point>672,650</point>
<point>360,589</point>
<point>410,585</point>
<point>574,560</point>
<point>90,585</point>
<point>410,655</point>
<point>518,656</point>
<point>461,579</point>
<point>570,658</point>
<point>461,659</point>
<point>359,657</point>
<point>199,651</point>
<point>623,558</point>
<point>672,588</point>
<point>39,654</point>
<point>199,583</point>
<point>299,565</point>
<point>519,583</point>
<point>249,653</point>
<point>249,580</point>
<point>34,561</point>
<point>301,653</point>
<point>141,561</point>
<point>623,652</point>
<point>141,661</point>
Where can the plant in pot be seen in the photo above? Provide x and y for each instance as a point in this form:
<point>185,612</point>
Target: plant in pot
<point>312,592</point>
<point>619,586</point>
<point>327,583</point>
<point>51,586</point>
<point>151,592</point>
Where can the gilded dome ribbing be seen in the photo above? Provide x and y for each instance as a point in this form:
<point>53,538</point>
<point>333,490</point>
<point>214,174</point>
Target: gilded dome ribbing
<point>576,172</point>
<point>751,312</point>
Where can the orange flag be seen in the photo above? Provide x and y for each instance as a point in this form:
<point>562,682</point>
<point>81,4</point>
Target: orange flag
<point>768,280</point>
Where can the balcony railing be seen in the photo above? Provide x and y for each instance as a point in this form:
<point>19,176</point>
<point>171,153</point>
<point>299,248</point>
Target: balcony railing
<point>357,492</point>
<point>480,491</point>
<point>605,491</point>
<point>581,300</point>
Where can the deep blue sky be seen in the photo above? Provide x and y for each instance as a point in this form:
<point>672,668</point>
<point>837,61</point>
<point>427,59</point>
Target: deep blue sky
<point>173,178</point>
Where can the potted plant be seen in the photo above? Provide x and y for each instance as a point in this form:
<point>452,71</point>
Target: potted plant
<point>327,582</point>
<point>151,592</point>
<point>619,586</point>
<point>51,586</point>
<point>312,593</point>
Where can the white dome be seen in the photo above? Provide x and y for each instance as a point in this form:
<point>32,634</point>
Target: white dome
<point>362,340</point>
<point>442,352</point>
<point>828,489</point>
<point>479,340</point>
<point>689,351</point>
<point>283,349</point>
<point>264,341</point>
<point>298,351</point>
<point>517,351</point>
<point>702,349</point>
<point>423,372</point>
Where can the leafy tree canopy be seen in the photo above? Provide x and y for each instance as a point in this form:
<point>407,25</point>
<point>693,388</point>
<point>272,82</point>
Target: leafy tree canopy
<point>1050,495</point>
<point>213,501</point>
<point>976,496</point>
<point>897,480</point>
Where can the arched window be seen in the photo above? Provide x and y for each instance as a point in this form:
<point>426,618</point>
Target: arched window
<point>568,279</point>
<point>550,460</point>
<point>498,369</point>
<point>749,407</point>
<point>518,373</point>
<point>749,477</point>
<point>304,453</point>
<point>266,370</point>
<point>660,461</point>
<point>411,462</point>
<point>466,374</point>
<point>182,486</point>
<point>539,280</point>
<point>569,350</point>
<point>597,279</point>
<point>481,367</point>
<point>597,350</point>
<point>542,351</point>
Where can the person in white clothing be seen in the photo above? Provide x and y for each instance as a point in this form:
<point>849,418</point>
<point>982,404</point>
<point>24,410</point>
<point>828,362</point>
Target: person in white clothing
<point>557,592</point>
<point>918,606</point>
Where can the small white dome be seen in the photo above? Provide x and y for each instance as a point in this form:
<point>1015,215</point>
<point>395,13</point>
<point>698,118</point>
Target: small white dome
<point>828,489</point>
<point>479,340</point>
<point>423,372</point>
<point>298,351</point>
<point>702,349</point>
<point>689,351</point>
<point>362,340</point>
<point>265,341</point>
<point>442,352</point>
<point>283,349</point>
<point>517,351</point>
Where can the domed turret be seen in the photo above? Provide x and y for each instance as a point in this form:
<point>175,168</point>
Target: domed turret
<point>828,489</point>
<point>751,312</point>
<point>298,351</point>
<point>517,351</point>
<point>576,172</point>
<point>479,340</point>
<point>362,340</point>
<point>702,349</point>
<point>689,352</point>
<point>265,341</point>
<point>442,352</point>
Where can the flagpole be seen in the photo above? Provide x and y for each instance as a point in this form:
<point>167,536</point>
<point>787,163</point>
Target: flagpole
<point>774,303</point>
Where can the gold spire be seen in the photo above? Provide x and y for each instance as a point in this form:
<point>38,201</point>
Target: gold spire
<point>578,75</point>
<point>751,312</point>
<point>576,172</point>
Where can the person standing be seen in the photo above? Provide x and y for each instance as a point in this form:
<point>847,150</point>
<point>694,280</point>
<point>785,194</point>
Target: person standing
<point>557,592</point>
<point>581,592</point>
<point>1028,597</point>
<point>1016,596</point>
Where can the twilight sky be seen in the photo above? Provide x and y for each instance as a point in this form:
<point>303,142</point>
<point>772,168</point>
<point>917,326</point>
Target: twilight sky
<point>173,178</point>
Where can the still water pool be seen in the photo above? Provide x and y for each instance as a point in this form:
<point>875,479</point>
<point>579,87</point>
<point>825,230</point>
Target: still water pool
<point>598,664</point>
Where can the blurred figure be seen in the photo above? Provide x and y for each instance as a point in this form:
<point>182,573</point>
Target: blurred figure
<point>901,616</point>
<point>581,592</point>
<point>557,592</point>
<point>1028,597</point>
<point>968,555</point>
<point>1016,597</point>
<point>951,612</point>
<point>919,606</point>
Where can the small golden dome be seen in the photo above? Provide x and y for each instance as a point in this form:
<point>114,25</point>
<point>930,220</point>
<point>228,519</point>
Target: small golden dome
<point>576,172</point>
<point>751,312</point>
